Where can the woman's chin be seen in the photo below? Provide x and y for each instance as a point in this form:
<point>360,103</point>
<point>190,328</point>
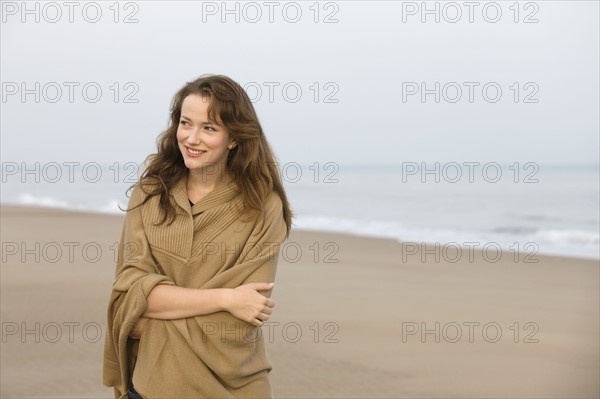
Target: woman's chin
<point>194,163</point>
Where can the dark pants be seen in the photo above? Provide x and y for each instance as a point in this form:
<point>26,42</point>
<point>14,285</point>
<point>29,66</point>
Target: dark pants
<point>132,393</point>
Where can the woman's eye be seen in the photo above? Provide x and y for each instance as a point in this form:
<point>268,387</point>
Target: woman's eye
<point>182,122</point>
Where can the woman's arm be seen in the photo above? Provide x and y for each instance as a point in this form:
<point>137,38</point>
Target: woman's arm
<point>169,302</point>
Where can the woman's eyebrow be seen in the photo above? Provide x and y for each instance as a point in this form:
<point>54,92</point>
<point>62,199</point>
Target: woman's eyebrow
<point>202,123</point>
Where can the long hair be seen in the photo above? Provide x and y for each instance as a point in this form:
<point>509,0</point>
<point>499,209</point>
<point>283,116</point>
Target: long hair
<point>251,162</point>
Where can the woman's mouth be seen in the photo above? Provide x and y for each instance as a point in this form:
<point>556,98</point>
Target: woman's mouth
<point>194,153</point>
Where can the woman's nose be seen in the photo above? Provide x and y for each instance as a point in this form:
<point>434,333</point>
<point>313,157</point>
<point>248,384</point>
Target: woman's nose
<point>194,137</point>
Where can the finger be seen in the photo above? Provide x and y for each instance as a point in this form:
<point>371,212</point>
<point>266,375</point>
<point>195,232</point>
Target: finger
<point>270,303</point>
<point>264,286</point>
<point>253,286</point>
<point>267,310</point>
<point>263,317</point>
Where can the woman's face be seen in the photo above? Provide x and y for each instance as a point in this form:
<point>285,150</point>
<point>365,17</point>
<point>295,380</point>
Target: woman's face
<point>195,132</point>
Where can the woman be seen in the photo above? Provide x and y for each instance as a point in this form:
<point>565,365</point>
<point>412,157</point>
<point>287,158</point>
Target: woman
<point>198,249</point>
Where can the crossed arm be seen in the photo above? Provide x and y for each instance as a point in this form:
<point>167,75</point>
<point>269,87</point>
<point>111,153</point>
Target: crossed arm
<point>168,302</point>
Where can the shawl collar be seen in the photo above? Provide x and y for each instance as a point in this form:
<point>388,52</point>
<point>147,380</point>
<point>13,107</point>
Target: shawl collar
<point>218,196</point>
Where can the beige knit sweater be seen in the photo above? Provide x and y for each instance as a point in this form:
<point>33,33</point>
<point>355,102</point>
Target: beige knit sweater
<point>207,246</point>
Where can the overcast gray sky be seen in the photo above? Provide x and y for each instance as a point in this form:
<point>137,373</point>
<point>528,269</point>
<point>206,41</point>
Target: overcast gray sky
<point>360,77</point>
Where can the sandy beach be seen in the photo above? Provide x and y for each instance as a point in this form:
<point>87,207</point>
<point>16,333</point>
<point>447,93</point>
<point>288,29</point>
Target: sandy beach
<point>354,317</point>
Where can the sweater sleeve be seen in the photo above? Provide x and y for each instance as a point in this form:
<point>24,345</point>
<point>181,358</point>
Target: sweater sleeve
<point>260,253</point>
<point>135,275</point>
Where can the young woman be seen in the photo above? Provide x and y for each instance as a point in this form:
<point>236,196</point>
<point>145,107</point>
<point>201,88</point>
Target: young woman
<point>198,251</point>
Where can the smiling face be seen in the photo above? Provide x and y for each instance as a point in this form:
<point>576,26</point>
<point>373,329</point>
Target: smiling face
<point>201,142</point>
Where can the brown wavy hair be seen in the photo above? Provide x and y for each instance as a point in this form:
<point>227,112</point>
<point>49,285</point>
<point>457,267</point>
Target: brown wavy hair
<point>251,162</point>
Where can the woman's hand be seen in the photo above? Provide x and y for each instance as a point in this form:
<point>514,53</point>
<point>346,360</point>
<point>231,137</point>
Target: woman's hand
<point>136,331</point>
<point>245,303</point>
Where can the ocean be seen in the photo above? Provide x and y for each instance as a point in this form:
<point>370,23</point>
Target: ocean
<point>526,207</point>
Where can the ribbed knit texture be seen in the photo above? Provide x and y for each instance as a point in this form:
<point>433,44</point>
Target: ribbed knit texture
<point>197,225</point>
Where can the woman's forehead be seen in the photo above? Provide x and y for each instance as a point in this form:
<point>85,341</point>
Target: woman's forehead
<point>196,107</point>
